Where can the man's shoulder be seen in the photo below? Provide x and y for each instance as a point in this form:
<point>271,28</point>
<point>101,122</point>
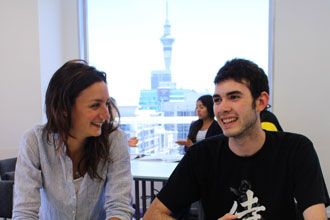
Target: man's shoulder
<point>216,140</point>
<point>286,136</point>
<point>210,145</point>
<point>288,141</point>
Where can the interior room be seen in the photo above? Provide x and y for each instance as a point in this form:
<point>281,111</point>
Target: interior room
<point>39,36</point>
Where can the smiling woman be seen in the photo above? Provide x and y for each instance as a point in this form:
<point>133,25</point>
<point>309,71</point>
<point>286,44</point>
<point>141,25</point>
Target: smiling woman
<point>69,161</point>
<point>90,112</point>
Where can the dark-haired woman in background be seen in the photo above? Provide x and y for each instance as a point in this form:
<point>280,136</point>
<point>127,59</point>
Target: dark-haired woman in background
<point>77,165</point>
<point>206,126</point>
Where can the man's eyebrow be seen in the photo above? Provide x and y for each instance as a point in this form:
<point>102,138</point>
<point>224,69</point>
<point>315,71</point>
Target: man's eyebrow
<point>235,92</point>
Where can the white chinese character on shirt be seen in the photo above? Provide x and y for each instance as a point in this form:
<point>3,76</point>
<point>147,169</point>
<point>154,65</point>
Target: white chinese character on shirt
<point>249,209</point>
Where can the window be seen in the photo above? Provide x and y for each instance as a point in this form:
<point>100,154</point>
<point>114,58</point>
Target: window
<point>160,56</point>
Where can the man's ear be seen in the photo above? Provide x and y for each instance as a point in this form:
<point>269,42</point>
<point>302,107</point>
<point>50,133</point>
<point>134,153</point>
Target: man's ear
<point>262,101</point>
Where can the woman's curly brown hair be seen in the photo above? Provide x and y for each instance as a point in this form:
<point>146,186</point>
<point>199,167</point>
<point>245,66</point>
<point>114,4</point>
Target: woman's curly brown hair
<point>64,87</point>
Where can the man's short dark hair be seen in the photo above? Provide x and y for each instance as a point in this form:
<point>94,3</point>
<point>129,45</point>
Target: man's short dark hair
<point>244,71</point>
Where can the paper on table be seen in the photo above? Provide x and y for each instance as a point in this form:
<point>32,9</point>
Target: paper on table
<point>162,157</point>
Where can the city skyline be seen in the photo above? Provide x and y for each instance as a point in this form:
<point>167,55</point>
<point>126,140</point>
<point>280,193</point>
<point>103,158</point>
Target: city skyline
<point>128,47</point>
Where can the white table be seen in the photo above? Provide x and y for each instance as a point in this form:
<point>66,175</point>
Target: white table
<point>153,169</point>
<point>148,171</point>
<point>156,170</point>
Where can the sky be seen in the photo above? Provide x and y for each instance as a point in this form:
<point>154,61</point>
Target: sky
<point>124,40</point>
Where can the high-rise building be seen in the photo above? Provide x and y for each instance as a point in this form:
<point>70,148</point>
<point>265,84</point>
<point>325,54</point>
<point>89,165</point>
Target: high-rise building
<point>165,112</point>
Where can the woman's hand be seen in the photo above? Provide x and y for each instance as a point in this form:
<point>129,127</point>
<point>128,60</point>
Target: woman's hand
<point>182,142</point>
<point>228,217</point>
<point>186,143</point>
<point>133,141</point>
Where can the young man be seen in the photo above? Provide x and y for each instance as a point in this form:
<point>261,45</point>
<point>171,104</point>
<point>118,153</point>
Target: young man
<point>247,173</point>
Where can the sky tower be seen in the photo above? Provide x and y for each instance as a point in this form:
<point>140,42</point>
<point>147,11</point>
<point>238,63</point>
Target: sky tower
<point>167,41</point>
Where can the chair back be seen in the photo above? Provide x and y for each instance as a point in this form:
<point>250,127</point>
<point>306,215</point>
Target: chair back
<point>6,167</point>
<point>6,198</point>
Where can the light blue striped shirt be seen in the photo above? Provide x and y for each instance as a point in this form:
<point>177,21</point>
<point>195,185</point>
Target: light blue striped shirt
<point>44,187</point>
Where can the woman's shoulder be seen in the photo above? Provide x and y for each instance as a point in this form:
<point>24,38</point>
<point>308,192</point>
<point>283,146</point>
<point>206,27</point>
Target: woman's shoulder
<point>32,142</point>
<point>198,122</point>
<point>118,144</point>
<point>118,138</point>
<point>33,133</point>
<point>117,134</point>
<point>215,129</point>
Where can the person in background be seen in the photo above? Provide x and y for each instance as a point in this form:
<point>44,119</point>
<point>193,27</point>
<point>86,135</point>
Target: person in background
<point>247,173</point>
<point>77,165</point>
<point>269,121</point>
<point>205,126</point>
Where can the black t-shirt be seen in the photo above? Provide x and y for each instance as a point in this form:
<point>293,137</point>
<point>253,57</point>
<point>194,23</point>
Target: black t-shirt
<point>285,169</point>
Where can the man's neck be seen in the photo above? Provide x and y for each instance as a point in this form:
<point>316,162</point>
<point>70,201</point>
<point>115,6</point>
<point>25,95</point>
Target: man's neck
<point>248,144</point>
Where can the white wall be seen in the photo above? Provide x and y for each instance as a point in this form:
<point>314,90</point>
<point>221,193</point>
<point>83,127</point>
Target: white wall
<point>20,96</point>
<point>301,78</point>
<point>36,37</point>
<point>39,36</point>
<point>58,32</point>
